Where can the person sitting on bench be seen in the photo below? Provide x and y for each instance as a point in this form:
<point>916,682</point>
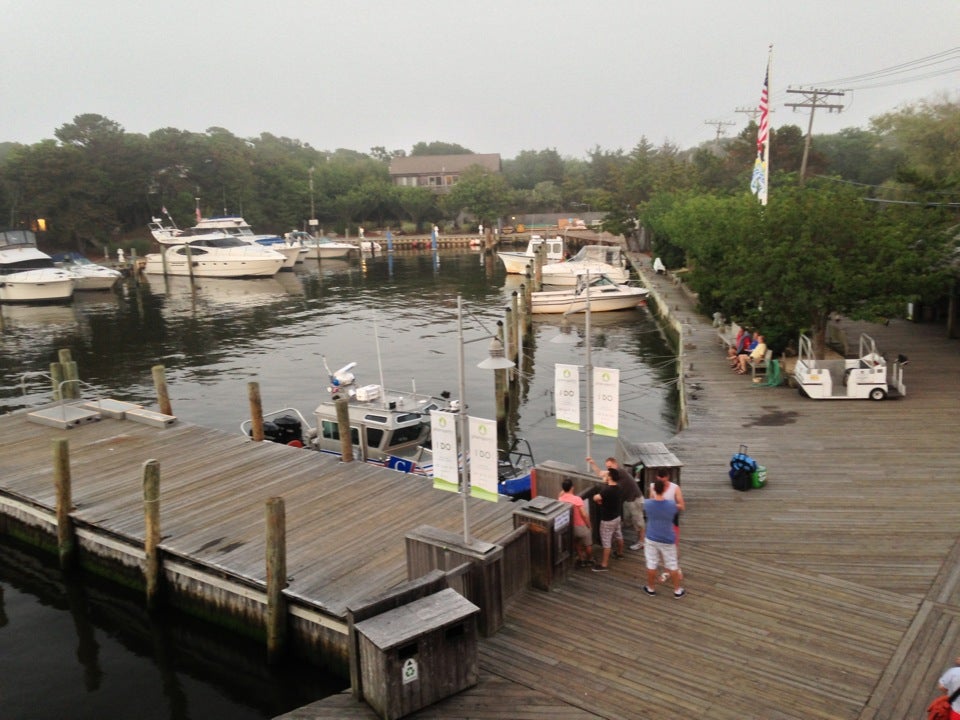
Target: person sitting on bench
<point>755,356</point>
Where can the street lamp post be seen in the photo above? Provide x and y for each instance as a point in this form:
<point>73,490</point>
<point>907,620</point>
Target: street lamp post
<point>564,338</point>
<point>495,361</point>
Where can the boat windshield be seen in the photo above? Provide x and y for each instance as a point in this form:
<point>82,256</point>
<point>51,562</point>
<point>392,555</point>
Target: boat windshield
<point>226,241</point>
<point>17,238</point>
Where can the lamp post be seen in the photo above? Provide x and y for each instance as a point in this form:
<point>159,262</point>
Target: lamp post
<point>565,339</point>
<point>313,215</point>
<point>496,360</point>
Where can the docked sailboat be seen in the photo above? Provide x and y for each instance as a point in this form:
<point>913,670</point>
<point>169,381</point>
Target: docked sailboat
<point>28,275</point>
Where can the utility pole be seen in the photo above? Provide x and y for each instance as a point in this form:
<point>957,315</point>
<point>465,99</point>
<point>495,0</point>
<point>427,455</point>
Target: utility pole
<point>813,99</point>
<point>719,125</point>
<point>751,112</point>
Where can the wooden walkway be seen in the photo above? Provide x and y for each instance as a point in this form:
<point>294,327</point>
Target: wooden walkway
<point>834,592</point>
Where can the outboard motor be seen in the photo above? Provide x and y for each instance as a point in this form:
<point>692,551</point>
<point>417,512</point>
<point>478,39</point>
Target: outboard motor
<point>284,430</point>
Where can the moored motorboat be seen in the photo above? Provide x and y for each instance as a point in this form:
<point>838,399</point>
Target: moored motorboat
<point>517,262</point>
<point>215,255</point>
<point>88,274</point>
<point>389,428</point>
<point>606,260</point>
<point>323,248</point>
<point>28,275</point>
<point>602,294</point>
<point>232,226</point>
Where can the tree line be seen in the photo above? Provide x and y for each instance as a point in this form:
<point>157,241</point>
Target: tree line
<point>877,205</point>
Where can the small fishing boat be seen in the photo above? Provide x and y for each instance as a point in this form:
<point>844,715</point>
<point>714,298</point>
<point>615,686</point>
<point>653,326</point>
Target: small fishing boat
<point>88,275</point>
<point>28,275</point>
<point>602,294</point>
<point>389,428</point>
<point>324,248</point>
<point>517,262</point>
<point>606,260</point>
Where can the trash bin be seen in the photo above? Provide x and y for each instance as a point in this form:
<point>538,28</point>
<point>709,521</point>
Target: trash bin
<point>416,654</point>
<point>551,537</point>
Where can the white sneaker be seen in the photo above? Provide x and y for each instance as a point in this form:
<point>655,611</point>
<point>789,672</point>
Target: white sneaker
<point>636,546</point>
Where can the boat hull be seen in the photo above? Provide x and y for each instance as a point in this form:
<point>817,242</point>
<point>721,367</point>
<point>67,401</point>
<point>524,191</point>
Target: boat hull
<point>222,268</point>
<point>37,286</point>
<point>560,301</point>
<point>567,276</point>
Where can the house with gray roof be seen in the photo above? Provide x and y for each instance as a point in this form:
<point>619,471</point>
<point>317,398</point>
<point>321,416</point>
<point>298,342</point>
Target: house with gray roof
<point>438,172</point>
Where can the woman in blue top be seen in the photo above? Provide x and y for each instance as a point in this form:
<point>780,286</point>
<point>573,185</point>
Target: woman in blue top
<point>660,546</point>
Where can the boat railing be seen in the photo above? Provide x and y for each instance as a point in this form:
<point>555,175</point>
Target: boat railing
<point>62,388</point>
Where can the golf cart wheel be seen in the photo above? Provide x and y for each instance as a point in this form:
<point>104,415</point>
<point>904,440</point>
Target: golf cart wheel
<point>877,394</point>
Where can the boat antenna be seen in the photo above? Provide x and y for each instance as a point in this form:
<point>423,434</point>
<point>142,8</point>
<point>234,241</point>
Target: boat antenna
<point>376,337</point>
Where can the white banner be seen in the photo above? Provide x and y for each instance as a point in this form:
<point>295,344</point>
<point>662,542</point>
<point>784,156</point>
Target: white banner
<point>483,458</point>
<point>566,393</point>
<point>443,438</point>
<point>606,401</point>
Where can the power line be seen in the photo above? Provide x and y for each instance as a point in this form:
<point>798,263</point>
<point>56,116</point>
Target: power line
<point>813,99</point>
<point>910,66</point>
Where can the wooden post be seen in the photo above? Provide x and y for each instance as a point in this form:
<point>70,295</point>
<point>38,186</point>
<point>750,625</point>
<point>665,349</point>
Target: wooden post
<point>189,262</point>
<point>500,385</point>
<point>276,579</point>
<point>511,328</point>
<point>151,535</point>
<point>538,266</point>
<point>256,411</point>
<point>343,424</point>
<point>160,383</point>
<point>66,548</point>
<point>56,377</point>
<point>71,390</point>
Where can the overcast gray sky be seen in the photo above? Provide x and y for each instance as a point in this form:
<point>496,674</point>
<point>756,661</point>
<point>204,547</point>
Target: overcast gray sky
<point>498,76</point>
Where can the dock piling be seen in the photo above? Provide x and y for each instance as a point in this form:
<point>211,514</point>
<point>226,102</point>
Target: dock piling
<point>66,548</point>
<point>343,423</point>
<point>151,539</point>
<point>276,573</point>
<point>160,383</point>
<point>256,411</point>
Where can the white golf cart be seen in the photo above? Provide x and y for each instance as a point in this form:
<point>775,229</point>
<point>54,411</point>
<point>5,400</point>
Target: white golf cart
<point>868,376</point>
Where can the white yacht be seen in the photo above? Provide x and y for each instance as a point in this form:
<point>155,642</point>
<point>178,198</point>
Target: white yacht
<point>232,226</point>
<point>214,255</point>
<point>28,275</point>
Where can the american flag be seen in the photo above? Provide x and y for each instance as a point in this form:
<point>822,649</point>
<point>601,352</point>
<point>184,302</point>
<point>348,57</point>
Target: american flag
<point>763,130</point>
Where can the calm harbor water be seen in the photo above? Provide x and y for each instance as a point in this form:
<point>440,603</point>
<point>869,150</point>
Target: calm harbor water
<point>215,338</point>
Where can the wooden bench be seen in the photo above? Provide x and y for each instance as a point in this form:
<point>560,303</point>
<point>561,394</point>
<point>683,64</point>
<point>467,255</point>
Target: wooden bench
<point>760,365</point>
<point>728,334</point>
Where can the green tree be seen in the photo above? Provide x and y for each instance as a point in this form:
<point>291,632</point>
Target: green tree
<point>418,203</point>
<point>481,193</point>
<point>811,252</point>
<point>439,148</point>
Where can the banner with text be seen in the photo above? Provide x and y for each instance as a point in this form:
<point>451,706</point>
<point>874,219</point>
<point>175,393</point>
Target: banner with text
<point>483,458</point>
<point>606,401</point>
<point>443,438</point>
<point>566,393</point>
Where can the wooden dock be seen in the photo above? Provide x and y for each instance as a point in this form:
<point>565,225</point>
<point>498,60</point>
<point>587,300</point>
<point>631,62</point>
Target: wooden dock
<point>834,592</point>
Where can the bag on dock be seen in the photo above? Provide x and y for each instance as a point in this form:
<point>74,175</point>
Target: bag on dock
<point>742,470</point>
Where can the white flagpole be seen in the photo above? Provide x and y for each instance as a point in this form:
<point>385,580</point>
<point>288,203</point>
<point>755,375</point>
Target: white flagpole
<point>766,145</point>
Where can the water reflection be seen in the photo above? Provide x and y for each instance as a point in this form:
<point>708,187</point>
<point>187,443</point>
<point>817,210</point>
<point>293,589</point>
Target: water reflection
<point>217,335</point>
<point>165,666</point>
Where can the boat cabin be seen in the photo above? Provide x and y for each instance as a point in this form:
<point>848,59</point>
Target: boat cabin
<point>385,427</point>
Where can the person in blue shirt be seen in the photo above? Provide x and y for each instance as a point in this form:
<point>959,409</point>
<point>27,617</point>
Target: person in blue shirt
<point>660,546</point>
